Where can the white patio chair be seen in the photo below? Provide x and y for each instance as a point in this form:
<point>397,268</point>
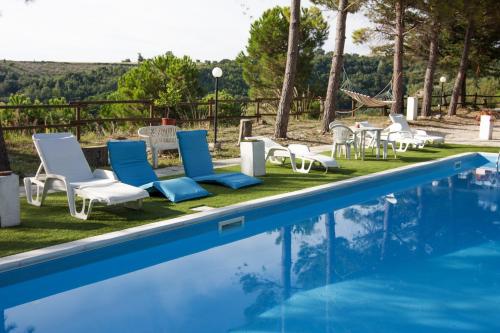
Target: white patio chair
<point>417,134</point>
<point>277,154</point>
<point>64,168</point>
<point>308,158</point>
<point>159,138</point>
<point>343,137</point>
<point>403,138</point>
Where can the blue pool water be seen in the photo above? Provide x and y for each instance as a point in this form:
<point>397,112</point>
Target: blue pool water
<point>420,253</point>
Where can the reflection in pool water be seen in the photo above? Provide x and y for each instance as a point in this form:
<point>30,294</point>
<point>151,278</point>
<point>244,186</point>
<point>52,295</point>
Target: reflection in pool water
<point>426,259</point>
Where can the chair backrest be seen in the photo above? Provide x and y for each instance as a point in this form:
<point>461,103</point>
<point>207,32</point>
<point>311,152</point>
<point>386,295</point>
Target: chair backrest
<point>130,163</point>
<point>159,134</point>
<point>400,119</point>
<point>196,158</point>
<point>341,133</point>
<point>268,143</point>
<point>61,154</point>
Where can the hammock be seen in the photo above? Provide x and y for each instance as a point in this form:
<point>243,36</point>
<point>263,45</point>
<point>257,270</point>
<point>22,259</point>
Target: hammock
<point>381,100</point>
<point>365,100</point>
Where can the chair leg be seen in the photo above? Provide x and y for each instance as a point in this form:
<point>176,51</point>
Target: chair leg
<point>135,205</point>
<point>384,154</point>
<point>394,150</point>
<point>348,152</point>
<point>154,153</point>
<point>334,150</point>
<point>41,192</point>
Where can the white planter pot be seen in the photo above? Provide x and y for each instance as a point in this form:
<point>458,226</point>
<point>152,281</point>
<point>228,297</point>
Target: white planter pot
<point>253,159</point>
<point>10,214</point>
<point>485,128</point>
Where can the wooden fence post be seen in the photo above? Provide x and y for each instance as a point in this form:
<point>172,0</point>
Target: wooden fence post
<point>77,119</point>
<point>257,110</point>
<point>475,100</point>
<point>210,112</point>
<point>322,108</point>
<point>151,112</point>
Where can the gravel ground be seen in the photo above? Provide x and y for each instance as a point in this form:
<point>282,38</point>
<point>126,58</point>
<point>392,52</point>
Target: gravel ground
<point>460,129</point>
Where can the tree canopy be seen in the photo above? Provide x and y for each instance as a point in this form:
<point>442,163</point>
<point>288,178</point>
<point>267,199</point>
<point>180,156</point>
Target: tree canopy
<point>265,58</point>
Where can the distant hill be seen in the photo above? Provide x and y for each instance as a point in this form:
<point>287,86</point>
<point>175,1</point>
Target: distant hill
<point>43,80</point>
<point>54,68</point>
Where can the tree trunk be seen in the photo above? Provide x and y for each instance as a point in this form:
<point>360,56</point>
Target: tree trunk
<point>397,76</point>
<point>429,72</point>
<point>4,158</point>
<point>285,104</point>
<point>336,67</point>
<point>457,87</point>
<point>463,91</point>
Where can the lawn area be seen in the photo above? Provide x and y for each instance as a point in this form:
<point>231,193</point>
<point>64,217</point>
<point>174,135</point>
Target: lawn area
<point>52,224</point>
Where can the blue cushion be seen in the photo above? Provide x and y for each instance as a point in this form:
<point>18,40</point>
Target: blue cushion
<point>180,189</point>
<point>196,158</point>
<point>234,180</point>
<point>130,163</point>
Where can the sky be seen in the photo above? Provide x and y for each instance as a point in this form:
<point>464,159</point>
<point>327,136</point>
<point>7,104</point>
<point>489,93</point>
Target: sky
<point>113,30</point>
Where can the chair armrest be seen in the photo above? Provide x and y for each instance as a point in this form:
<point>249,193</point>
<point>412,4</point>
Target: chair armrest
<point>104,174</point>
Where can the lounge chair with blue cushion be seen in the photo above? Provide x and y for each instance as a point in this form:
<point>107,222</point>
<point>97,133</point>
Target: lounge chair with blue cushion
<point>129,162</point>
<point>198,165</point>
<point>65,168</point>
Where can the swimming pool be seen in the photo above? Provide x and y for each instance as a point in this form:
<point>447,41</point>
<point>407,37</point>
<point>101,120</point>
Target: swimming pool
<point>416,251</point>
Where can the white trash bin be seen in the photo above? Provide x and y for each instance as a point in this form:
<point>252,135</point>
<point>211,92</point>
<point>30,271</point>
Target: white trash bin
<point>253,159</point>
<point>10,214</point>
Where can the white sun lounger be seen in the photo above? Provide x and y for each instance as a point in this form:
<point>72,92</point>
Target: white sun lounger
<point>417,134</point>
<point>277,154</point>
<point>64,168</point>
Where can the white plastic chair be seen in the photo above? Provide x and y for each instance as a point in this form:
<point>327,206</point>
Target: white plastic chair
<point>308,158</point>
<point>159,138</point>
<point>343,137</point>
<point>277,154</point>
<point>64,168</point>
<point>416,134</point>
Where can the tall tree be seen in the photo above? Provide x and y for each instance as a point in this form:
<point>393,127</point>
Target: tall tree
<point>397,76</point>
<point>431,68</point>
<point>462,68</point>
<point>264,60</point>
<point>337,61</point>
<point>285,104</point>
<point>4,157</point>
<point>390,18</point>
<point>436,13</point>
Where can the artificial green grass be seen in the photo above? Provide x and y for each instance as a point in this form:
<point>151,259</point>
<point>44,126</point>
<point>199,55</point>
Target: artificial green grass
<point>52,224</point>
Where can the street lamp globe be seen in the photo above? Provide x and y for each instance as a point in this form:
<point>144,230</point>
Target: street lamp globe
<point>217,72</point>
<point>442,79</point>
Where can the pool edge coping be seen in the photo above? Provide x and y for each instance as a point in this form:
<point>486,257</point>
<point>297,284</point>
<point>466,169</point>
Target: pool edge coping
<point>37,256</point>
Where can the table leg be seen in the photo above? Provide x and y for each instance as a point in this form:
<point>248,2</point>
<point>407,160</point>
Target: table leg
<point>378,144</point>
<point>362,143</point>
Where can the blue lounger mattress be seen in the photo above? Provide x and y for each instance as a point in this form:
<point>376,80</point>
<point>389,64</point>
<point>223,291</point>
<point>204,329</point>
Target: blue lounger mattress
<point>129,162</point>
<point>198,164</point>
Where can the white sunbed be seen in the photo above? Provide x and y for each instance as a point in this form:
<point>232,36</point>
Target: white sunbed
<point>277,154</point>
<point>417,134</point>
<point>64,168</point>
